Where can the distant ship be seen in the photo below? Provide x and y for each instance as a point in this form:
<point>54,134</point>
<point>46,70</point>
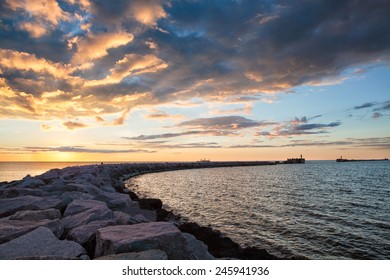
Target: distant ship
<point>295,160</point>
<point>204,160</point>
<point>341,159</point>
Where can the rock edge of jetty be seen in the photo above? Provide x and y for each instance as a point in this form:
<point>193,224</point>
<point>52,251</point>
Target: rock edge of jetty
<point>87,212</point>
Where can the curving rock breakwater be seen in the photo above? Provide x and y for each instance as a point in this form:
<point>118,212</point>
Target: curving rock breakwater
<point>87,212</point>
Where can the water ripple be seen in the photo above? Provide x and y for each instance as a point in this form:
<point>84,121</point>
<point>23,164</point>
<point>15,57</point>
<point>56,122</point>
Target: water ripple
<point>319,210</point>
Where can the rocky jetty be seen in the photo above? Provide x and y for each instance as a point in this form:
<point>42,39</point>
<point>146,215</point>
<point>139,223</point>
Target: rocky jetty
<point>87,212</point>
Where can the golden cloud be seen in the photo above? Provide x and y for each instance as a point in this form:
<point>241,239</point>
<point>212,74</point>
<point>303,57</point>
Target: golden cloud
<point>43,15</point>
<point>45,9</point>
<point>36,30</point>
<point>147,12</point>
<point>131,64</point>
<point>96,45</point>
<point>10,59</point>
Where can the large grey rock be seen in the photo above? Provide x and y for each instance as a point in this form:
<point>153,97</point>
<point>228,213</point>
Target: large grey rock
<point>78,206</point>
<point>115,201</point>
<point>10,229</point>
<point>40,244</point>
<point>144,255</point>
<point>141,237</point>
<point>87,216</point>
<point>137,219</point>
<point>31,182</point>
<point>134,210</point>
<point>9,206</point>
<point>86,177</point>
<point>84,233</point>
<point>69,173</point>
<point>196,249</point>
<point>15,192</point>
<point>122,218</point>
<point>36,215</point>
<point>50,175</point>
<point>76,195</point>
<point>60,186</point>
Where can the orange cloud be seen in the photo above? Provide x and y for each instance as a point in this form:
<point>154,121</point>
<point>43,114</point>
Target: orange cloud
<point>99,119</point>
<point>10,59</point>
<point>257,77</point>
<point>47,9</point>
<point>121,119</point>
<point>96,45</point>
<point>147,12</point>
<point>74,125</point>
<point>43,15</point>
<point>36,30</point>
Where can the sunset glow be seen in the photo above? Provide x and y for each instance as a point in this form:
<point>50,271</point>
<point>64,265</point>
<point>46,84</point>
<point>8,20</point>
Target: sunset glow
<point>169,80</point>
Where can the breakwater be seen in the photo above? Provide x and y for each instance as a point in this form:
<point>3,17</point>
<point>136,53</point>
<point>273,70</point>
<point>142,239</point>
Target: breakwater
<point>86,212</point>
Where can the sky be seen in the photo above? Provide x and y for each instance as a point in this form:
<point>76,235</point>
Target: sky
<point>182,80</point>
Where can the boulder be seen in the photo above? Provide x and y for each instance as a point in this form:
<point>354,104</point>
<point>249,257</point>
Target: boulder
<point>60,186</point>
<point>122,218</point>
<point>196,249</point>
<point>137,219</point>
<point>133,211</point>
<point>9,206</point>
<point>87,216</point>
<point>144,255</point>
<point>31,182</point>
<point>218,245</point>
<point>78,206</point>
<point>36,215</point>
<point>50,175</point>
<point>76,195</point>
<point>10,229</point>
<point>83,234</point>
<point>40,244</point>
<point>15,192</point>
<point>141,237</point>
<point>115,201</point>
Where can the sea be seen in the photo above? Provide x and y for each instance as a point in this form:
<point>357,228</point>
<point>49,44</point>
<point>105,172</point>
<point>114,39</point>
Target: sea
<point>320,210</point>
<point>317,210</point>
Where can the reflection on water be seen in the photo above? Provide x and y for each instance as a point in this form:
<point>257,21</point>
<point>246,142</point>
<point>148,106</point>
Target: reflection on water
<point>319,210</point>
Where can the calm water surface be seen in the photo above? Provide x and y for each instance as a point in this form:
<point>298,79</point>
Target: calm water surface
<point>318,210</point>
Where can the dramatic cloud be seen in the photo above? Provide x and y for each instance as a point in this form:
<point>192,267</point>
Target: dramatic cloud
<point>175,51</point>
